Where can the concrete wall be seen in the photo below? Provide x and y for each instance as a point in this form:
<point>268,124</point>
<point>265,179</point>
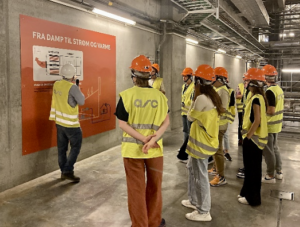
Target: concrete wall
<point>196,56</point>
<point>15,168</point>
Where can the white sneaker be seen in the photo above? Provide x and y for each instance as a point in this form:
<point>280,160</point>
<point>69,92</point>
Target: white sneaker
<point>269,180</point>
<point>243,200</point>
<point>183,161</point>
<point>279,176</point>
<point>188,204</point>
<point>196,216</point>
<point>239,196</point>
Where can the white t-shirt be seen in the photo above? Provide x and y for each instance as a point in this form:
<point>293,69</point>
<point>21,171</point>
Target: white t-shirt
<point>202,103</point>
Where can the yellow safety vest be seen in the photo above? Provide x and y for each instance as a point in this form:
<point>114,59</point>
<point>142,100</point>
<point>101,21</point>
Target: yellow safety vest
<point>231,109</point>
<point>61,112</point>
<point>157,83</point>
<point>224,119</point>
<point>260,136</point>
<point>239,103</point>
<point>203,140</point>
<point>275,121</point>
<point>186,98</point>
<point>147,109</point>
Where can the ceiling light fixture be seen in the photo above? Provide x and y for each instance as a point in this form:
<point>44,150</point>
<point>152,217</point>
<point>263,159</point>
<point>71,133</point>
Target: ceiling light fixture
<point>284,35</point>
<point>113,16</point>
<point>221,51</point>
<point>292,34</point>
<point>192,41</point>
<point>291,70</point>
<point>238,56</point>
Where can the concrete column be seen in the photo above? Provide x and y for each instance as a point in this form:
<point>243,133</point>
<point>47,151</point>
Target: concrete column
<point>173,61</point>
<point>4,98</point>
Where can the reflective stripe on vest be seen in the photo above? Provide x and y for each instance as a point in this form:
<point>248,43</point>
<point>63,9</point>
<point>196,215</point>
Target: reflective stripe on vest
<point>186,98</point>
<point>260,136</point>
<point>224,119</point>
<point>203,140</point>
<point>239,103</point>
<point>145,118</point>
<point>275,120</point>
<point>61,112</point>
<point>157,83</point>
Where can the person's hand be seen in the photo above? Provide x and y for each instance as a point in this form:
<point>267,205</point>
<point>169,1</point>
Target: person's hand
<point>148,138</point>
<point>182,104</point>
<point>151,144</point>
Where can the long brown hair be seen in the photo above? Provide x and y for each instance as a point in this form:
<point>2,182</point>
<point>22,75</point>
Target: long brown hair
<point>260,91</point>
<point>209,92</point>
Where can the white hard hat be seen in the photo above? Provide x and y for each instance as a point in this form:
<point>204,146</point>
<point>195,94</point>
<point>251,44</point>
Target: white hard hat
<point>68,71</point>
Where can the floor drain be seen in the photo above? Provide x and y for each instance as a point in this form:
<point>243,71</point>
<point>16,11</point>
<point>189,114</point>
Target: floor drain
<point>282,195</point>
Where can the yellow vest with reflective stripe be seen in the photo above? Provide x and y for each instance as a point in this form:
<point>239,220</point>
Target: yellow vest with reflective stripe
<point>147,109</point>
<point>157,83</point>
<point>239,103</point>
<point>231,109</point>
<point>203,140</point>
<point>260,136</point>
<point>186,98</point>
<point>61,112</point>
<point>275,121</point>
<point>224,116</point>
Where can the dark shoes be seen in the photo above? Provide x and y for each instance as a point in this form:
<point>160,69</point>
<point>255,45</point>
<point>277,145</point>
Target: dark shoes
<point>228,157</point>
<point>240,143</point>
<point>162,223</point>
<point>70,176</point>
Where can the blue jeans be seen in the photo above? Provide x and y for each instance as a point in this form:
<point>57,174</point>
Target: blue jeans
<point>226,139</point>
<point>198,184</point>
<point>64,136</point>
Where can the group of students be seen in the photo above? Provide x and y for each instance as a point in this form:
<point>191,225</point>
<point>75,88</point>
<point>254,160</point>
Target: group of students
<point>208,105</point>
<point>207,108</point>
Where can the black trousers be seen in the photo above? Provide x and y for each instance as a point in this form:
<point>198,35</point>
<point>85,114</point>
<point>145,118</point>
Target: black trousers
<point>240,114</point>
<point>252,158</point>
<point>182,155</point>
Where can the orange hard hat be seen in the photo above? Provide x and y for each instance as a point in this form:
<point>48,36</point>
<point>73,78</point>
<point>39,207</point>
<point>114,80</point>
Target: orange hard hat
<point>269,70</point>
<point>141,63</point>
<point>156,66</point>
<point>246,76</point>
<point>221,71</point>
<point>256,74</point>
<point>187,71</point>
<point>205,72</point>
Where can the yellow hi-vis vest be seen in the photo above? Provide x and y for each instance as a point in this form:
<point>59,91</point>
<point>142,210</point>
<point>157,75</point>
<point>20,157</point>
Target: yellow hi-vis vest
<point>203,140</point>
<point>275,121</point>
<point>186,98</point>
<point>246,99</point>
<point>260,136</point>
<point>231,108</point>
<point>239,103</point>
<point>147,109</point>
<point>61,112</point>
<point>157,83</point>
<point>224,116</point>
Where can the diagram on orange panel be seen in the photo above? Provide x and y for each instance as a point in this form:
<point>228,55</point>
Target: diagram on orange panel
<point>95,115</point>
<point>47,62</point>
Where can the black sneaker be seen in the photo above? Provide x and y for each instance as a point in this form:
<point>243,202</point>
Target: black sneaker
<point>228,157</point>
<point>241,175</point>
<point>162,223</point>
<point>242,170</point>
<point>70,176</point>
<point>210,160</point>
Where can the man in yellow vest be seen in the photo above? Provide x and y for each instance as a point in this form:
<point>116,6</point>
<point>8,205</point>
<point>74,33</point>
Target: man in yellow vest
<point>186,101</point>
<point>275,99</point>
<point>143,116</point>
<point>220,87</point>
<point>239,106</point>
<point>155,81</point>
<point>64,111</point>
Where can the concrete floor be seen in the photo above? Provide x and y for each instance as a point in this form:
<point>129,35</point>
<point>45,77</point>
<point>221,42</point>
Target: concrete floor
<point>100,199</point>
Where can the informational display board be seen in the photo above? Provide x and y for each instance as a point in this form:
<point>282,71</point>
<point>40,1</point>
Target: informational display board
<point>45,47</point>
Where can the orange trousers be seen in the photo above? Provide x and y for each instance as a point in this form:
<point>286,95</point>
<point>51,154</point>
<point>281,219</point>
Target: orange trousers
<point>144,197</point>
